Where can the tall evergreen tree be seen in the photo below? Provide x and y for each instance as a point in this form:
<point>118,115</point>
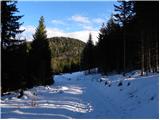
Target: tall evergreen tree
<point>100,48</point>
<point>9,22</point>
<point>125,14</point>
<point>109,47</point>
<point>40,55</point>
<point>147,25</point>
<point>13,50</point>
<point>87,60</point>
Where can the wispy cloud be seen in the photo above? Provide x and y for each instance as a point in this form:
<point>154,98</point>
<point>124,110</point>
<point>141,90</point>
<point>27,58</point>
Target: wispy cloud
<point>98,20</point>
<point>88,27</point>
<point>87,23</point>
<point>54,21</point>
<point>80,19</point>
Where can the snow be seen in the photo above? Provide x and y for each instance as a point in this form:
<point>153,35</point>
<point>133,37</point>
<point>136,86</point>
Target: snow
<point>79,96</point>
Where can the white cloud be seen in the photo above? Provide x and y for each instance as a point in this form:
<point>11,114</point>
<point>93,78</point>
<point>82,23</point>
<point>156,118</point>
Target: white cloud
<point>54,32</point>
<point>88,27</point>
<point>84,35</point>
<point>98,20</point>
<point>28,28</point>
<point>28,33</point>
<point>81,35</point>
<point>57,22</point>
<point>80,19</point>
<point>87,23</point>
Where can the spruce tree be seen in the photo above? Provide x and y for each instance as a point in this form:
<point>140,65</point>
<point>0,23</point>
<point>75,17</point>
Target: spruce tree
<point>125,12</point>
<point>9,22</point>
<point>13,50</point>
<point>87,59</point>
<point>147,25</point>
<point>109,47</point>
<point>40,56</point>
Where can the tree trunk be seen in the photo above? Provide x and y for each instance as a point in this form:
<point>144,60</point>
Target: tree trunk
<point>124,52</point>
<point>142,53</point>
<point>149,60</point>
<point>157,53</point>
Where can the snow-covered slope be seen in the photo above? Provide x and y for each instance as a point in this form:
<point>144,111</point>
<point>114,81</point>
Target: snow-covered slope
<point>87,96</point>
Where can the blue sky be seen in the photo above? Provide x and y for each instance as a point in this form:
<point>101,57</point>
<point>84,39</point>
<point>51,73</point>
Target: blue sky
<point>71,19</point>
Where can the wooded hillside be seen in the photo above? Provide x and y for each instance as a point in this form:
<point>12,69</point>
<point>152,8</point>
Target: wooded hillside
<point>65,54</point>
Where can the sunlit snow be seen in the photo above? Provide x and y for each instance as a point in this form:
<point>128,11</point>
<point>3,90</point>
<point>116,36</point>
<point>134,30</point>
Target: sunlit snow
<point>87,96</point>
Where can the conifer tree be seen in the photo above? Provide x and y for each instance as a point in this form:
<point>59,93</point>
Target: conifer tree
<point>109,47</point>
<point>123,17</point>
<point>13,50</point>
<point>87,60</point>
<point>9,22</point>
<point>40,56</point>
<point>147,25</point>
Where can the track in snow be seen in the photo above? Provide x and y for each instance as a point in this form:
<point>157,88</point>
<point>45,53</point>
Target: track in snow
<point>75,96</point>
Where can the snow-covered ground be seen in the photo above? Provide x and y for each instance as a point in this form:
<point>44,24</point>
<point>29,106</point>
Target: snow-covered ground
<point>87,96</point>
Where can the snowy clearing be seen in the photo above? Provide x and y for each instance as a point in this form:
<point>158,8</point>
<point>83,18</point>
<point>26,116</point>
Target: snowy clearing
<point>87,96</point>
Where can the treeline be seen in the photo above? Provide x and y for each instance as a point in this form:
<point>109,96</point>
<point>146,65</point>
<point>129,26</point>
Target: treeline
<point>128,41</point>
<point>23,67</point>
